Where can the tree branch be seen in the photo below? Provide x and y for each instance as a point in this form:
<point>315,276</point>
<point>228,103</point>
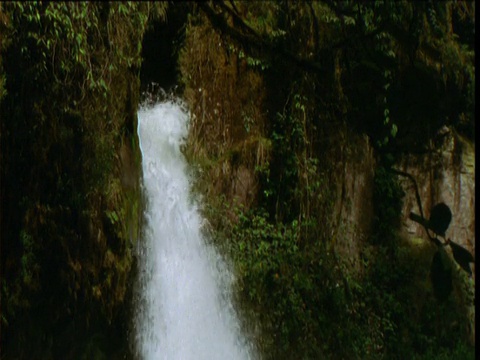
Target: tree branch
<point>254,39</point>
<point>419,204</point>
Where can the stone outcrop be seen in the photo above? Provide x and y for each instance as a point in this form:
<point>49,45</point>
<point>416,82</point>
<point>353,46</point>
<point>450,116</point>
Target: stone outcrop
<point>446,174</point>
<point>354,204</point>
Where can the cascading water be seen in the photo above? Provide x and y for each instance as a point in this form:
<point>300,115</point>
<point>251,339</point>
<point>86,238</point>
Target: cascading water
<point>183,310</point>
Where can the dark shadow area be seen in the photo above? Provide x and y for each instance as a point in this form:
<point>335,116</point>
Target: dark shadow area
<point>160,50</point>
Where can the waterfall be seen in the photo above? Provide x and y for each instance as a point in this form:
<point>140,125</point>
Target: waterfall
<point>183,310</point>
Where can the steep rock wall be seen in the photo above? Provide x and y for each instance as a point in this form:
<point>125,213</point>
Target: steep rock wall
<point>446,174</point>
<point>69,177</point>
<point>354,202</point>
<point>288,146</point>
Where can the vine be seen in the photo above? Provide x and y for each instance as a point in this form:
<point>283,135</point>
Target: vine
<point>68,100</point>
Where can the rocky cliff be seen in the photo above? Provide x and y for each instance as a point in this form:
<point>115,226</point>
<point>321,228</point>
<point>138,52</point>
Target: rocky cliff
<point>69,176</point>
<point>295,142</point>
<point>299,113</point>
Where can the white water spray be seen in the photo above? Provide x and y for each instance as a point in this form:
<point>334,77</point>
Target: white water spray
<point>183,311</point>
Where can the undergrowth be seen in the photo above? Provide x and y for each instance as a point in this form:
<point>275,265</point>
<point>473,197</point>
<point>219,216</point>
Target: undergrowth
<point>310,305</point>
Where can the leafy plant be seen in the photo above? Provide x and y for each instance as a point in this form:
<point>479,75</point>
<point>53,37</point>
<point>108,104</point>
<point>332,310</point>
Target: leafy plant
<point>69,103</point>
<point>322,76</point>
<point>440,217</point>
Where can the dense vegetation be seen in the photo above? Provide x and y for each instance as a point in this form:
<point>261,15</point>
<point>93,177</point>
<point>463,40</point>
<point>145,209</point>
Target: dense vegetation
<point>280,92</point>
<point>285,97</point>
<point>69,188</point>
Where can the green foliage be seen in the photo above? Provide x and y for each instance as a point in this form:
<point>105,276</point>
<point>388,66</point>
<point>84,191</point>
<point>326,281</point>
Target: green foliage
<point>460,351</point>
<point>279,278</point>
<point>69,103</point>
<point>253,62</point>
<point>309,304</point>
<point>68,40</point>
<point>397,302</point>
<point>29,264</point>
<point>387,69</point>
<point>112,216</point>
<point>402,307</point>
<point>4,42</point>
<point>387,199</point>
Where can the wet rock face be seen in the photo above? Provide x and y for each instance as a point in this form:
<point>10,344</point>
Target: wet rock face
<point>447,175</point>
<point>354,204</point>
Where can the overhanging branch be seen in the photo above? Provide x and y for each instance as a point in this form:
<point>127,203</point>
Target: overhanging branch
<point>419,203</point>
<point>253,39</point>
<point>248,37</point>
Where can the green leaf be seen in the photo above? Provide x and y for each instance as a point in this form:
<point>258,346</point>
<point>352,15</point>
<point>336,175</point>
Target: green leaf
<point>103,84</point>
<point>394,130</point>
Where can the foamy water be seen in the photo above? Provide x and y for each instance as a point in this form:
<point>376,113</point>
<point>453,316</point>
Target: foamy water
<point>183,309</point>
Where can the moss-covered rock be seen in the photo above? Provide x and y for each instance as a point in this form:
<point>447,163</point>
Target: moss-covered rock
<point>295,106</point>
<point>69,190</point>
<point>299,111</point>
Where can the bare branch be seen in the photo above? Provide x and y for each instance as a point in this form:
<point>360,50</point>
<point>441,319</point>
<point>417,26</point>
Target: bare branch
<point>419,204</point>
